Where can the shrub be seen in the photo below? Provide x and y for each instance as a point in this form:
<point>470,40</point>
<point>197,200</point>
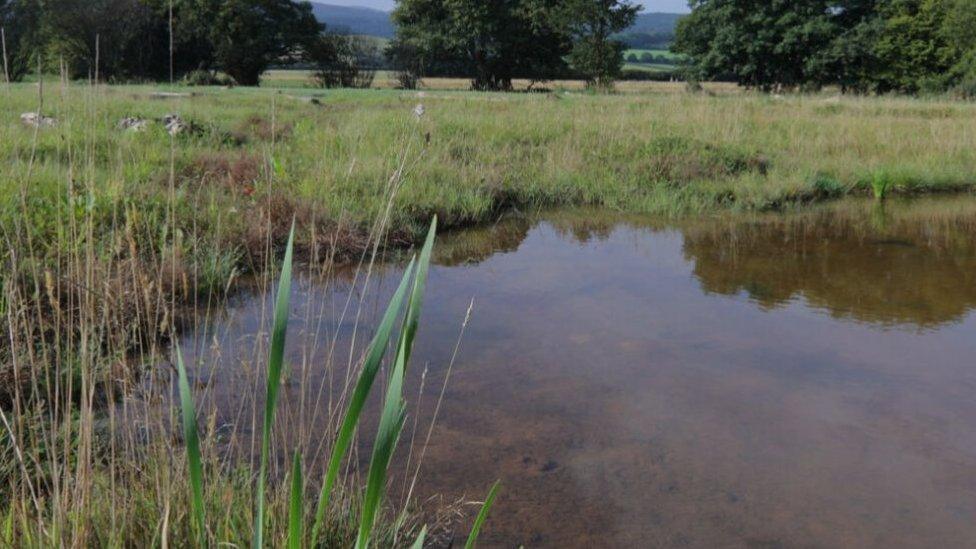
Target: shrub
<point>202,77</point>
<point>340,61</point>
<point>407,80</point>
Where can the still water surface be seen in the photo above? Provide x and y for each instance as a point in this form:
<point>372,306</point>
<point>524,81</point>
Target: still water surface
<point>797,380</point>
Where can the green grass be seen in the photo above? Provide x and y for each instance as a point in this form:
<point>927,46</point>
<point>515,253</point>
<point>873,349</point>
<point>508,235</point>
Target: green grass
<point>485,151</point>
<point>643,67</point>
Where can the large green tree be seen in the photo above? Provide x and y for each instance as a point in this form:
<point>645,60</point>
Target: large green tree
<point>490,41</point>
<point>250,35</point>
<point>960,31</point>
<point>861,45</point>
<point>20,21</point>
<point>850,60</point>
<point>108,39</point>
<point>912,46</point>
<point>590,25</point>
<point>761,43</point>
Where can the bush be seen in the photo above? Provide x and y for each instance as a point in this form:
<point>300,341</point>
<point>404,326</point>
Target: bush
<point>206,78</point>
<point>965,70</point>
<point>339,61</point>
<point>967,88</point>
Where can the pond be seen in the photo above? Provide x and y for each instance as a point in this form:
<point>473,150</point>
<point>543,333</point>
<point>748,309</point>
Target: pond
<point>781,380</point>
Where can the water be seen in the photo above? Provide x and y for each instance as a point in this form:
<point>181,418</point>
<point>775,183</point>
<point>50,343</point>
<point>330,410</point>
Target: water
<point>800,380</point>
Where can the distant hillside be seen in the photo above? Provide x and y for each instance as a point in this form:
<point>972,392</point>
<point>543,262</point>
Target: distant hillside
<point>652,23</point>
<point>651,29</point>
<point>354,20</point>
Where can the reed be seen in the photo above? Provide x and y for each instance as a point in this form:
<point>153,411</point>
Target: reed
<point>388,433</point>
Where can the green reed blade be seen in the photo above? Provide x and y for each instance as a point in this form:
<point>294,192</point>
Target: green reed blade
<point>485,508</point>
<point>419,542</point>
<point>394,408</point>
<point>374,358</point>
<point>391,425</point>
<point>192,439</point>
<point>412,320</point>
<point>295,507</point>
<point>275,361</point>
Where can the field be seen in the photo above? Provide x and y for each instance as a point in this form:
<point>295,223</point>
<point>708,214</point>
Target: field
<point>113,239</point>
<point>651,148</point>
<point>656,53</point>
<point>665,60</point>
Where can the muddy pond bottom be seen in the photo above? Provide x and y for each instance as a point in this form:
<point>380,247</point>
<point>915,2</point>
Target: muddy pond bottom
<point>794,380</point>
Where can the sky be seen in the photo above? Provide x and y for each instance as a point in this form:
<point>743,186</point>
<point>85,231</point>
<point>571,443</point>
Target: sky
<point>667,6</point>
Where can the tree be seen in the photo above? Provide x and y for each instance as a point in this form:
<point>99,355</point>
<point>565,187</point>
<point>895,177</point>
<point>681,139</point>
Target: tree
<point>340,61</point>
<point>20,20</point>
<point>490,42</point>
<point>193,49</point>
<point>959,30</point>
<point>850,60</point>
<point>250,35</point>
<point>122,39</point>
<point>762,44</point>
<point>913,50</point>
<point>590,25</point>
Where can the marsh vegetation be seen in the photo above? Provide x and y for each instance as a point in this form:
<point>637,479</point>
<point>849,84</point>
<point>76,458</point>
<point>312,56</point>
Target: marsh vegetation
<point>118,238</point>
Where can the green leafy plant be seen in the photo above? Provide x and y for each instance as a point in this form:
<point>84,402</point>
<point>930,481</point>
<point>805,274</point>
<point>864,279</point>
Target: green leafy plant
<point>388,433</point>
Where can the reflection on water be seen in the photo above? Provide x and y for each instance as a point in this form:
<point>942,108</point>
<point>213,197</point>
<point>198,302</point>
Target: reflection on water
<point>875,263</point>
<point>761,381</point>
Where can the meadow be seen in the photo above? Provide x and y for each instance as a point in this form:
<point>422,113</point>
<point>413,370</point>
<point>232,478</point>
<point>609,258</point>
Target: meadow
<point>114,239</point>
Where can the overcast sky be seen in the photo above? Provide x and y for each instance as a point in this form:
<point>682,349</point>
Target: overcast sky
<point>667,6</point>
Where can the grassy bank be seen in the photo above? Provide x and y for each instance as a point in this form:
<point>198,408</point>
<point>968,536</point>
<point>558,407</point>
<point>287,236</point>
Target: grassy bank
<point>651,152</point>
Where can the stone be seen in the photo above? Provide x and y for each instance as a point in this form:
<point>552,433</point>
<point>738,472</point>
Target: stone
<point>176,125</point>
<point>133,124</point>
<point>37,120</point>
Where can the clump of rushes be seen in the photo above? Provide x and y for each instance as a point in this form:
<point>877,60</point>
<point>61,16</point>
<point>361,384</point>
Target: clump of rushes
<point>388,433</point>
<point>881,184</point>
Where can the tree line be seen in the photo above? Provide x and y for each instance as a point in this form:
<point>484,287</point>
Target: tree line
<point>490,42</point>
<point>862,46</point>
<point>129,40</point>
<point>496,42</point>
